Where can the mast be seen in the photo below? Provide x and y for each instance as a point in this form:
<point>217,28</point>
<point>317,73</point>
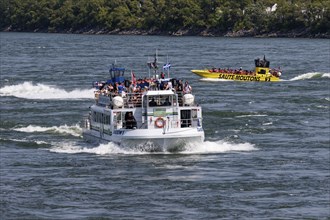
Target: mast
<point>153,64</point>
<point>168,67</point>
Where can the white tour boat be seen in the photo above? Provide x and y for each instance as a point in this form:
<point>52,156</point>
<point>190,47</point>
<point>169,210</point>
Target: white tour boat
<point>148,117</point>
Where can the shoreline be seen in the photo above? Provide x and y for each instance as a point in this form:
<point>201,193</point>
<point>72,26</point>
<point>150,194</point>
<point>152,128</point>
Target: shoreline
<point>204,33</point>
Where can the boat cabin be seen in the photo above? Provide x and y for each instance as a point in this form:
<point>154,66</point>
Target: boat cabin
<point>262,66</point>
<point>152,110</point>
<point>116,74</point>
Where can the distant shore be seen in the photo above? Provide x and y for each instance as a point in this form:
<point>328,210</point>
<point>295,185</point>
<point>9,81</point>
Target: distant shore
<point>298,33</point>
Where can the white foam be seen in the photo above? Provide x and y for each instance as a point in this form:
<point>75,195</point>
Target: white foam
<point>208,147</point>
<point>102,149</point>
<point>311,75</point>
<point>28,90</point>
<point>24,140</point>
<point>63,129</point>
<point>326,75</point>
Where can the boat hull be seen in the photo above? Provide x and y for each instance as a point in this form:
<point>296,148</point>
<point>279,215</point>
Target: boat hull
<point>236,77</point>
<point>151,140</point>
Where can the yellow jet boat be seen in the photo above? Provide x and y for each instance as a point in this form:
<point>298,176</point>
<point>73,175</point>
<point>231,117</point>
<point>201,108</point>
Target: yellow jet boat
<point>262,73</point>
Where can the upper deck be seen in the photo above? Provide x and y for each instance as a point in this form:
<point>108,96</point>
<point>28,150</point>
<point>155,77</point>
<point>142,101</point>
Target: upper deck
<point>148,96</point>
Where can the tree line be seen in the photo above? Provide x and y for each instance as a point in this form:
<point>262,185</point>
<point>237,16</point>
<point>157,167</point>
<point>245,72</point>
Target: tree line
<point>173,17</point>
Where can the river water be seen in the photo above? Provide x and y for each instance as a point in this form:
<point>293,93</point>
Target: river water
<point>266,153</point>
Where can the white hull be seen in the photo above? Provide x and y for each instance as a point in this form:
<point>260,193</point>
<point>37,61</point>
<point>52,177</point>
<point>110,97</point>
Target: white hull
<point>149,140</point>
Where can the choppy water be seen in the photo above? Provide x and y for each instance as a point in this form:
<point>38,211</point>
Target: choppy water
<point>266,154</point>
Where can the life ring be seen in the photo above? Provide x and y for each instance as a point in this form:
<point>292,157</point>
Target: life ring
<point>159,123</point>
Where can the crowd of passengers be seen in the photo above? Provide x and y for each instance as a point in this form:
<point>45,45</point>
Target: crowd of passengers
<point>143,85</point>
<point>232,71</point>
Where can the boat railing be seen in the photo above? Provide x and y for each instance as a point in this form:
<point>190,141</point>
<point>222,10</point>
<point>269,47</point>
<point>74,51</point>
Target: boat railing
<point>185,123</point>
<point>130,100</point>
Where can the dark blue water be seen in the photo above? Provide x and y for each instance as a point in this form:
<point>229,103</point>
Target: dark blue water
<point>266,154</point>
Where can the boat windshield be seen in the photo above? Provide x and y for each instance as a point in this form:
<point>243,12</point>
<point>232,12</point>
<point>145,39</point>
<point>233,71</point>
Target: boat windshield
<point>161,100</point>
<point>116,72</point>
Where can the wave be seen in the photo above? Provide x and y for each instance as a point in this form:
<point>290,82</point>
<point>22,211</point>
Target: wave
<point>312,75</point>
<point>25,141</point>
<point>208,147</point>
<point>28,90</point>
<point>63,129</point>
<point>246,116</point>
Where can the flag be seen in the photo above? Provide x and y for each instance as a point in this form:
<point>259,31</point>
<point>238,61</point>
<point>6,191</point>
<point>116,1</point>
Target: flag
<point>133,77</point>
<point>167,66</point>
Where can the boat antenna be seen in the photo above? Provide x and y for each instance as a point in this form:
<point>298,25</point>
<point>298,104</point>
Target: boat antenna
<point>168,69</point>
<point>155,62</point>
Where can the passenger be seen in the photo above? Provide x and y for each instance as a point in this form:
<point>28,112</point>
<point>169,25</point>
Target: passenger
<point>110,88</point>
<point>187,88</point>
<point>162,85</point>
<point>152,103</point>
<point>115,88</point>
<point>167,102</point>
<point>130,120</point>
<point>132,87</point>
<point>169,86</point>
<point>152,85</point>
<point>179,86</point>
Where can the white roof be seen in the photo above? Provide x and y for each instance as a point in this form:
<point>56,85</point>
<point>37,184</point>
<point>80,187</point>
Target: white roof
<point>160,92</point>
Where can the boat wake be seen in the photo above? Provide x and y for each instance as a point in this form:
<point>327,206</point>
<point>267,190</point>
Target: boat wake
<point>28,90</point>
<point>208,147</point>
<point>63,129</point>
<point>312,75</point>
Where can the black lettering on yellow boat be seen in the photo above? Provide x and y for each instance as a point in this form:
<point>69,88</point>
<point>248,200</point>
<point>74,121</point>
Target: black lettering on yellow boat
<point>247,78</point>
<point>226,76</point>
<point>238,77</point>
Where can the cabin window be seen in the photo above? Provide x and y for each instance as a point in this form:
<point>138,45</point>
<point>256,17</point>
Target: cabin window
<point>94,117</point>
<point>130,121</point>
<point>106,119</point>
<point>164,100</point>
<point>194,113</point>
<point>118,116</point>
<point>262,71</point>
<point>97,117</point>
<point>153,101</point>
<point>185,118</point>
<point>145,102</point>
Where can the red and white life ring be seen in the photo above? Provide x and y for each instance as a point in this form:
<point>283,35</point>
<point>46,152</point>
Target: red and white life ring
<point>160,122</point>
